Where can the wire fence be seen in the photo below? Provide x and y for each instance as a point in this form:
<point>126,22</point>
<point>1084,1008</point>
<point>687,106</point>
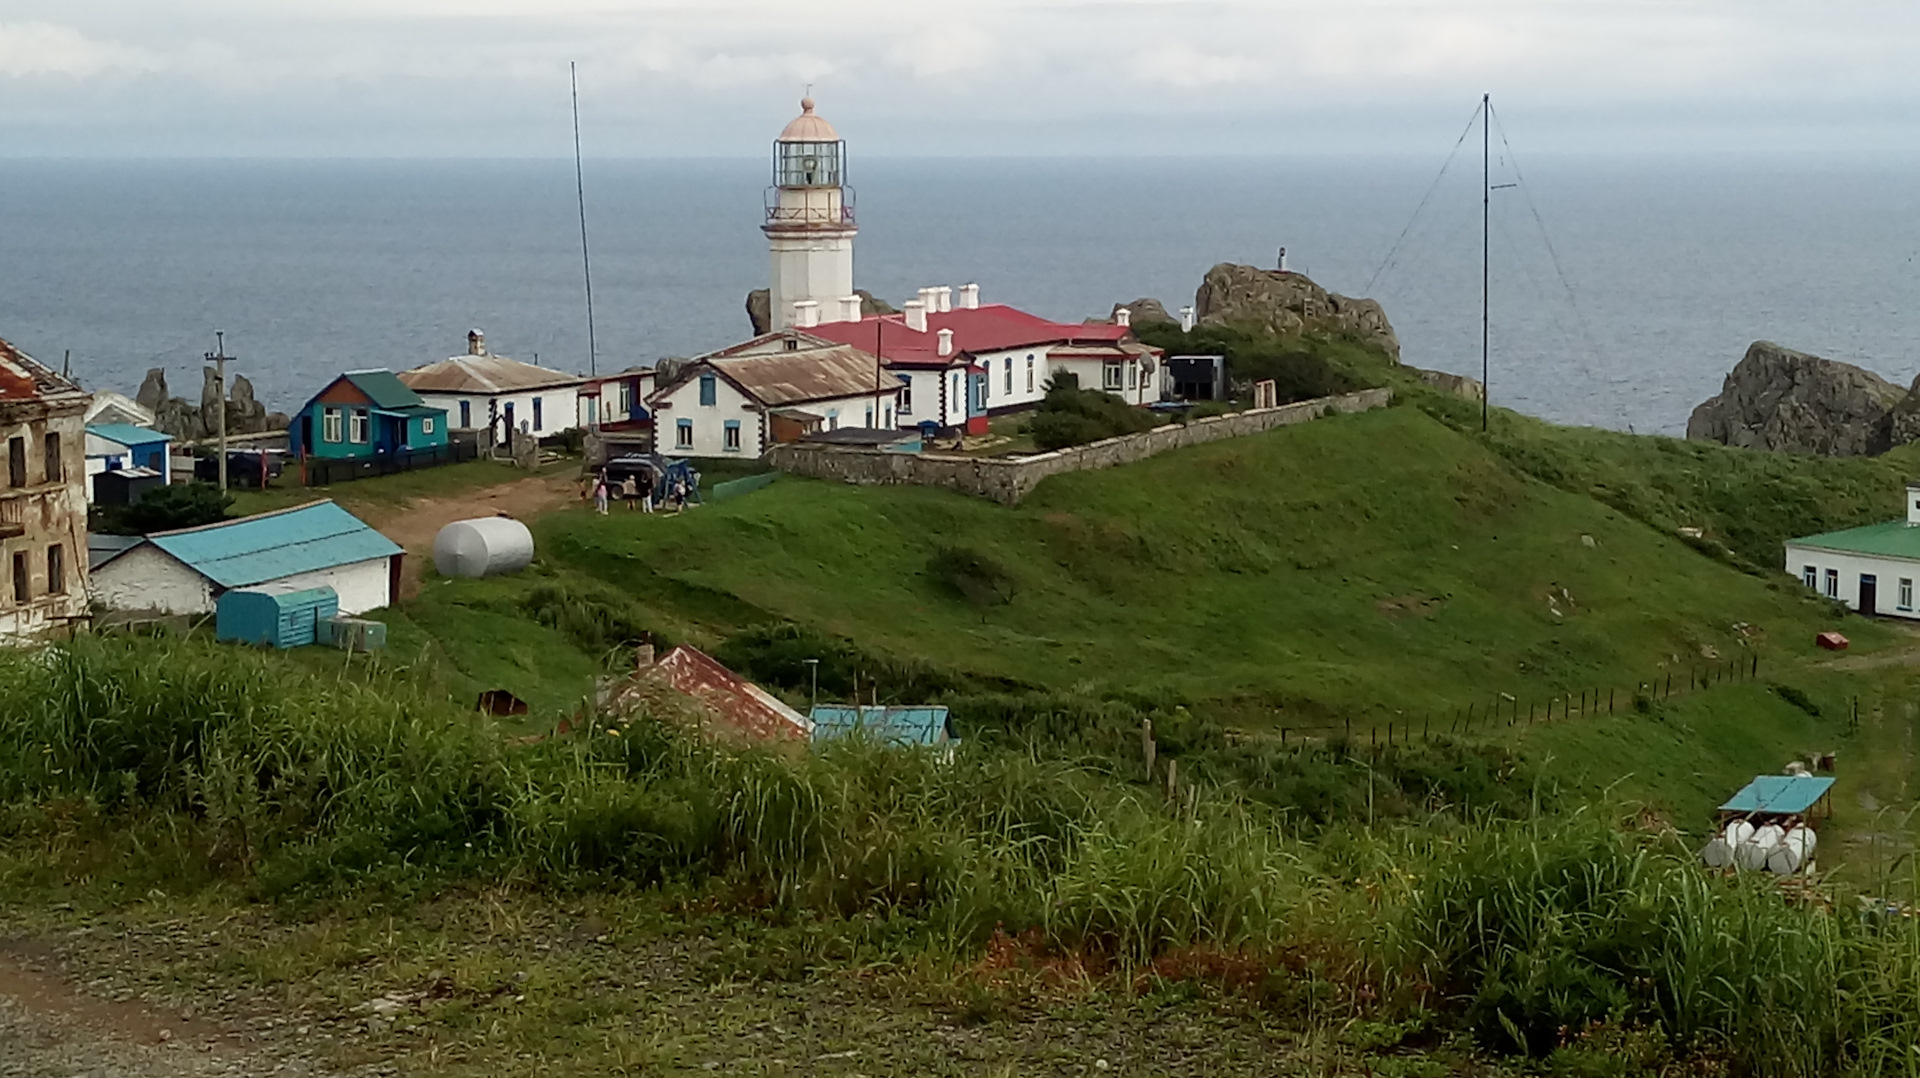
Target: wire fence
<point>1507,711</point>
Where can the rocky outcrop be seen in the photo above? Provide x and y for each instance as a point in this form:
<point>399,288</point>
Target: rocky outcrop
<point>1902,424</point>
<point>189,422</point>
<point>1141,311</point>
<point>760,304</point>
<point>1779,399</point>
<point>1288,303</point>
<point>1458,385</point>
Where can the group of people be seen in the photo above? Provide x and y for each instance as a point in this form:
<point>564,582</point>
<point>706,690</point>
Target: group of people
<point>638,496</point>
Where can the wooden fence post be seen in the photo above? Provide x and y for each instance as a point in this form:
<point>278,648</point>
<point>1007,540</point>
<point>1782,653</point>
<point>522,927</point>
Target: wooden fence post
<point>1609,701</point>
<point>1148,750</point>
<point>1426,727</point>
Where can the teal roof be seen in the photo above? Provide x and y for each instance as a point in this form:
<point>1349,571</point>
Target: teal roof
<point>385,389</point>
<point>254,550</point>
<point>127,434</point>
<point>1894,539</point>
<point>1779,794</point>
<point>895,725</point>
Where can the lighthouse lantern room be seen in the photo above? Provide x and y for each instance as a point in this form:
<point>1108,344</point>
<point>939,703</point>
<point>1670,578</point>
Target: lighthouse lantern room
<point>810,225</point>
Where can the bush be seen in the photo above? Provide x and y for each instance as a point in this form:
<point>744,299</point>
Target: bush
<point>597,618</point>
<point>1070,416</point>
<point>970,575</point>
<point>169,508</point>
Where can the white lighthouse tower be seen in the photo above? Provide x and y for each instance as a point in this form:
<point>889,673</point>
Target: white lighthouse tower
<point>810,226</point>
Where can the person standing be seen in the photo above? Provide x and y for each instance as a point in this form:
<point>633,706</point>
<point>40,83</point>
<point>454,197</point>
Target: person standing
<point>630,492</point>
<point>600,495</point>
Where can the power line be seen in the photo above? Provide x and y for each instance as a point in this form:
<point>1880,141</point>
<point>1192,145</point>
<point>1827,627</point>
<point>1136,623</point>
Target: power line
<point>1387,262</point>
<point>580,189</point>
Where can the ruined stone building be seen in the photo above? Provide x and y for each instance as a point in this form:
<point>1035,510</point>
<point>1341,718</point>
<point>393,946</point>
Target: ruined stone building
<point>43,500</point>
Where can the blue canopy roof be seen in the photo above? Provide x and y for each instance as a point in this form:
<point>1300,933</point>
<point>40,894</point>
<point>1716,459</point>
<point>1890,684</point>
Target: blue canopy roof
<point>896,725</point>
<point>127,434</point>
<point>253,550</point>
<point>1784,795</point>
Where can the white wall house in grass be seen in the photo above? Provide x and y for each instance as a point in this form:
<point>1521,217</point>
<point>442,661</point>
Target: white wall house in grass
<point>1871,569</point>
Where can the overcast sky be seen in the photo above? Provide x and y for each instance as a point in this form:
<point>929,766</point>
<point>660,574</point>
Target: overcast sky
<point>328,78</point>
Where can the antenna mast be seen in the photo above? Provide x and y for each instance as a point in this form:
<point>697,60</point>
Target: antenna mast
<point>580,189</point>
<point>1486,217</point>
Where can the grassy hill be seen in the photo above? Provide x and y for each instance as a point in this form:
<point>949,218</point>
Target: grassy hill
<point>1363,566</point>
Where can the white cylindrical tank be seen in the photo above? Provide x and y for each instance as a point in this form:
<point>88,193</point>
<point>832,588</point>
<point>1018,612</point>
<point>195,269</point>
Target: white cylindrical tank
<point>484,546</point>
<point>1794,853</point>
<point>1720,852</point>
<point>1753,853</point>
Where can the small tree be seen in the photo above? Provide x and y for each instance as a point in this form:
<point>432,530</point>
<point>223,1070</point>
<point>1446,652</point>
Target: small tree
<point>182,505</point>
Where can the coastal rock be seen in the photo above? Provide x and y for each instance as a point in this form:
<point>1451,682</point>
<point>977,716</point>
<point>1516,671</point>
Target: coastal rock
<point>153,390</point>
<point>760,303</point>
<point>1779,399</point>
<point>188,421</point>
<point>1143,310</point>
<point>1902,424</point>
<point>1288,303</point>
<point>1458,385</point>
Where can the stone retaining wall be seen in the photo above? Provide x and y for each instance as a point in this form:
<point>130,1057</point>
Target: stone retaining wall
<point>1009,479</point>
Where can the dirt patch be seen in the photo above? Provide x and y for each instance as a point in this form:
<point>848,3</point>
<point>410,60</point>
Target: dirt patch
<point>415,524</point>
<point>1408,605</point>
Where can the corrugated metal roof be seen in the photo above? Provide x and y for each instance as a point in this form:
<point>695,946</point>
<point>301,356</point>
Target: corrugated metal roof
<point>778,378</point>
<point>924,726</point>
<point>253,550</point>
<point>1894,539</point>
<point>127,434</point>
<point>735,705</point>
<point>484,374</point>
<point>1786,795</point>
<point>23,377</point>
<point>384,389</point>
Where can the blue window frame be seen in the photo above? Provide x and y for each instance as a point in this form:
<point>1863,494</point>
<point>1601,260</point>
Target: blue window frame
<point>536,413</point>
<point>466,414</point>
<point>732,441</point>
<point>709,389</point>
<point>683,434</point>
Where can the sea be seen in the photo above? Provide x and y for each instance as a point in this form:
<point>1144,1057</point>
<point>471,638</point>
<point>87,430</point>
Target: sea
<point>1620,289</point>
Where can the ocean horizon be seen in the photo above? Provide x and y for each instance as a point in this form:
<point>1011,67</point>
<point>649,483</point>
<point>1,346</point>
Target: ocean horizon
<point>1623,288</point>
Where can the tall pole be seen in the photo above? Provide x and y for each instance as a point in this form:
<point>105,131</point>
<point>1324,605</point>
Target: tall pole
<point>580,189</point>
<point>1486,219</point>
<point>219,358</point>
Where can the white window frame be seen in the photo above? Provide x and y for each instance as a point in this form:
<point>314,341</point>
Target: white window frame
<point>1029,373</point>
<point>730,436</point>
<point>1133,374</point>
<point>906,396</point>
<point>1906,593</point>
<point>1110,375</point>
<point>426,424</point>
<point>332,426</point>
<point>683,434</point>
<point>1810,576</point>
<point>1833,583</point>
<point>359,427</point>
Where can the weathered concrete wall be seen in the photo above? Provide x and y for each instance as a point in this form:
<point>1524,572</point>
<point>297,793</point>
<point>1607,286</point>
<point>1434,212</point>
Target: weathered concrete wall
<point>1009,479</point>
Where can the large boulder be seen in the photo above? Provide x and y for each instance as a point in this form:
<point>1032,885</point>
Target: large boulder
<point>760,308</point>
<point>1142,311</point>
<point>1288,303</point>
<point>1779,399</point>
<point>1903,421</point>
<point>189,421</point>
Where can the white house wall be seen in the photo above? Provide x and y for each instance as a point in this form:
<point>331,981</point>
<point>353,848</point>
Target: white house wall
<point>1024,392</point>
<point>1888,573</point>
<point>1092,372</point>
<point>709,421</point>
<point>362,586</point>
<point>559,408</point>
<point>148,578</point>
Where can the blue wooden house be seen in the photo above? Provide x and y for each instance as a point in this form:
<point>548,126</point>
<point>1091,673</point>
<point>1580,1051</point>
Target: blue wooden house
<point>923,727</point>
<point>365,414</point>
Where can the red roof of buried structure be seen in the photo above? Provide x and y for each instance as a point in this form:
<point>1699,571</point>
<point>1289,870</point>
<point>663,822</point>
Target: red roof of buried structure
<point>989,328</point>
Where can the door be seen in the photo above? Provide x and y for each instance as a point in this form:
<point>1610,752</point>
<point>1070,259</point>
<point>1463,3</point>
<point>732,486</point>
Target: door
<point>506,412</point>
<point>1869,597</point>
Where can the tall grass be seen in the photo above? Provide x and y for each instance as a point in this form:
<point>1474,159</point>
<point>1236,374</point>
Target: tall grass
<point>1528,933</point>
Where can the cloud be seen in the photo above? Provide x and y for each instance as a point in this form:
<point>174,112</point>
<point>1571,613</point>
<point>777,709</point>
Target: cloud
<point>41,48</point>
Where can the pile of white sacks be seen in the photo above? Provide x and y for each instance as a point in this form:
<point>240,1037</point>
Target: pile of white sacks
<point>1782,851</point>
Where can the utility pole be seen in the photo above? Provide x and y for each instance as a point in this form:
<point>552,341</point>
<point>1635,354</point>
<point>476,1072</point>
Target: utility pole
<point>218,357</point>
<point>1486,234</point>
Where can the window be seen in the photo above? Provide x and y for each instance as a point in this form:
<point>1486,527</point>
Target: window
<point>1810,576</point>
<point>889,413</point>
<point>358,427</point>
<point>833,419</point>
<point>869,421</point>
<point>330,425</point>
<point>56,570</point>
<point>54,471</point>
<point>16,462</point>
<point>466,415</point>
<point>1133,374</point>
<point>1833,583</point>
<point>906,395</point>
<point>1906,593</point>
<point>21,592</point>
<point>709,389</point>
<point>1110,376</point>
<point>626,398</point>
<point>793,344</point>
<point>955,399</point>
<point>1006,369</point>
<point>683,434</point>
<point>732,442</point>
<point>536,413</point>
<point>1029,374</point>
<point>426,424</point>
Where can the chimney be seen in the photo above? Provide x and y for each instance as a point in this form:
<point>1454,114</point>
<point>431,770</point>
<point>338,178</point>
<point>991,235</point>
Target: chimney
<point>969,297</point>
<point>930,299</point>
<point>1913,503</point>
<point>946,342</point>
<point>1122,317</point>
<point>1186,319</point>
<point>916,311</point>
<point>945,294</point>
<point>849,308</point>
<point>806,313</point>
<point>476,343</point>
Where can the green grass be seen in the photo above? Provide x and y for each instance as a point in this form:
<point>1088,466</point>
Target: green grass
<point>388,491</point>
<point>1370,566</point>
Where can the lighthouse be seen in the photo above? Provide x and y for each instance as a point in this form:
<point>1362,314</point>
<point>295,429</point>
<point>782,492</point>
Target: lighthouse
<point>810,227</point>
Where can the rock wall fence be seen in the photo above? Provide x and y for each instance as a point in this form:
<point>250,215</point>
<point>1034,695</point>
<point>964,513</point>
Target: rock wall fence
<point>1007,480</point>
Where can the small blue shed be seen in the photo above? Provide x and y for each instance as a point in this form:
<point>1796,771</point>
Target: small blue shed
<point>926,726</point>
<point>278,615</point>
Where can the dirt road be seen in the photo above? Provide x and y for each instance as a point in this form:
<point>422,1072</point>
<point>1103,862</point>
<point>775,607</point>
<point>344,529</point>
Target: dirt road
<point>415,524</point>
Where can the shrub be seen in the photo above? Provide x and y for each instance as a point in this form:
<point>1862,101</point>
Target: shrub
<point>596,617</point>
<point>181,505</point>
<point>970,575</point>
<point>1070,416</point>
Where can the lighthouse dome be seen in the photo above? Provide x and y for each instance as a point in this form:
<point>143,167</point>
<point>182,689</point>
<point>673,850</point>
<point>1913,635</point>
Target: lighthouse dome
<point>808,127</point>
